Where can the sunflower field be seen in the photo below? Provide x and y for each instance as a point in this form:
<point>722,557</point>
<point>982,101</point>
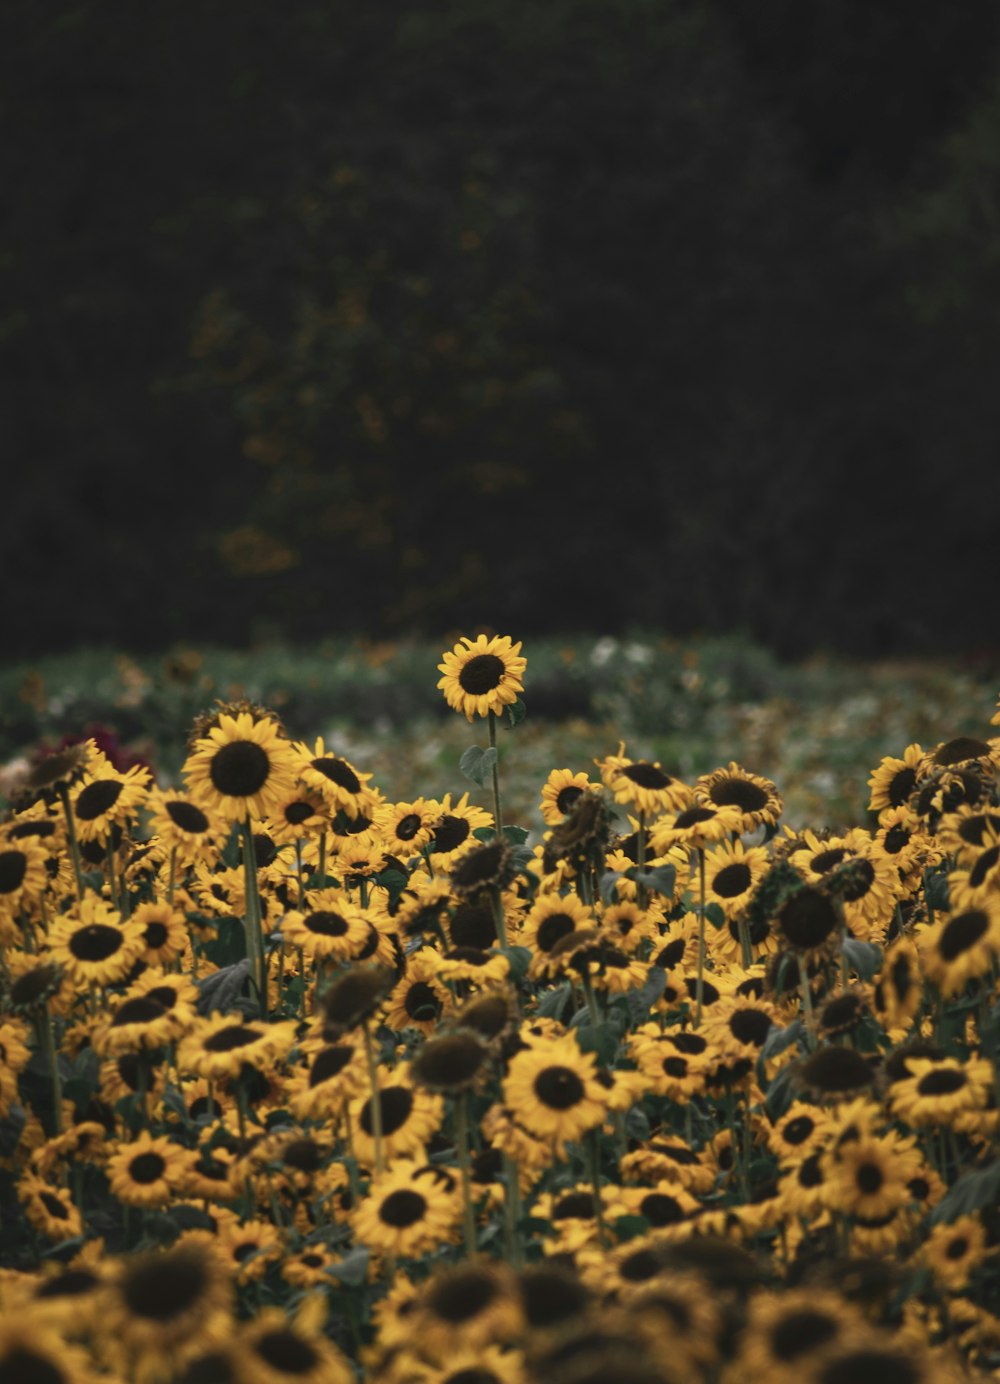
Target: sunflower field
<point>303,1081</point>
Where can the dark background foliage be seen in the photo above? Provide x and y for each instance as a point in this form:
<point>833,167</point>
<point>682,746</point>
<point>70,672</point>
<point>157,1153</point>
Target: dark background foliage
<point>415,316</point>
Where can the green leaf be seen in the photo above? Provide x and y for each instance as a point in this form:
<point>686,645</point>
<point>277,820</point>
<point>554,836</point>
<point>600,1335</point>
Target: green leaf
<point>477,764</point>
<point>393,881</point>
<point>516,835</point>
<point>629,1227</point>
<point>353,1268</point>
<point>221,990</point>
<point>640,1001</point>
<point>601,1039</point>
<point>970,1193</point>
<point>658,881</point>
<point>553,1002</point>
<point>516,713</point>
<point>229,944</point>
<point>778,1039</point>
<point>936,887</point>
<point>609,885</point>
<point>779,1094</point>
<point>520,960</point>
<point>715,915</point>
<point>862,957</point>
<point>637,1124</point>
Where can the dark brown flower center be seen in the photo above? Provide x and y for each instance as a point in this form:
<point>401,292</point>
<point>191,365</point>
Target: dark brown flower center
<point>449,834</point>
<point>232,1037</point>
<point>13,867</point>
<point>962,932</point>
<point>559,1088</point>
<point>155,934</point>
<point>286,1351</point>
<point>96,942</point>
<point>962,748</point>
<point>408,826</point>
<point>186,816</point>
<point>402,1208</point>
<point>395,1102</point>
<point>97,798</point>
<point>326,923</point>
<point>239,769</point>
<point>897,838</point>
<point>800,1331</point>
<point>552,930</point>
<point>661,1209</point>
<point>422,1003</point>
<point>807,919</point>
<point>472,925</point>
<point>146,1168</point>
<point>732,880</point>
<point>141,1010</point>
<point>646,775</point>
<point>567,796</point>
<point>869,1178</point>
<point>901,785</point>
<point>945,1081</point>
<point>871,1366</point>
<point>338,771</point>
<point>750,1026</point>
<point>797,1131</point>
<point>835,1070</point>
<point>166,1286</point>
<point>738,792</point>
<point>460,1296</point>
<point>329,1062</point>
<point>451,1060</point>
<point>481,674</point>
<point>983,866</point>
<point>22,1365</point>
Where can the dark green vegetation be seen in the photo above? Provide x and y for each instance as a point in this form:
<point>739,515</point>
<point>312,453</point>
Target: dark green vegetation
<point>818,729</point>
<point>379,318</point>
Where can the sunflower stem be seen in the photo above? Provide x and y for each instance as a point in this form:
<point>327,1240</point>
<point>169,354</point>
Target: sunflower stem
<point>109,855</point>
<point>172,879</point>
<point>699,989</point>
<point>47,1042</point>
<point>74,845</point>
<point>594,1159</point>
<point>376,1098</point>
<point>462,1149</point>
<point>255,931</point>
<point>499,920</point>
<point>591,998</point>
<point>512,1213</point>
<point>642,894</point>
<point>745,948</point>
<point>807,1003</point>
<point>497,810</point>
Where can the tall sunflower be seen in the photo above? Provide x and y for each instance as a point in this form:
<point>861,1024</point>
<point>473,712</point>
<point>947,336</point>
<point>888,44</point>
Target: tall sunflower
<point>244,767</point>
<point>482,675</point>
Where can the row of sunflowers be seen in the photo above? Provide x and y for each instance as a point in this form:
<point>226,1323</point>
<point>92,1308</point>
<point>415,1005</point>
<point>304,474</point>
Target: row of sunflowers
<point>300,1082</point>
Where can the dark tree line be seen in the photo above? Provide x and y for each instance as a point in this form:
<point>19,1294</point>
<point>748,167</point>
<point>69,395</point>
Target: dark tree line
<point>323,318</point>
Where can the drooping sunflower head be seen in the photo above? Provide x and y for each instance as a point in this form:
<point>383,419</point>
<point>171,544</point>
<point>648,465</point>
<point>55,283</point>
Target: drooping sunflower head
<point>482,676</point>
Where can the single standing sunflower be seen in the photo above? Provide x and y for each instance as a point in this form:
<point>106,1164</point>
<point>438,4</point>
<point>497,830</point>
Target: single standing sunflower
<point>244,767</point>
<point>482,675</point>
<point>554,1088</point>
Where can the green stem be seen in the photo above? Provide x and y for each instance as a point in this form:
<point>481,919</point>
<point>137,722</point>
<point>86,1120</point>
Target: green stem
<point>254,928</point>
<point>74,845</point>
<point>499,920</point>
<point>172,879</point>
<point>591,998</point>
<point>807,1003</point>
<point>745,947</point>
<point>109,855</point>
<point>594,1159</point>
<point>699,989</point>
<point>642,894</point>
<point>376,1099</point>
<point>512,1213</point>
<point>47,1042</point>
<point>462,1149</point>
<point>497,809</point>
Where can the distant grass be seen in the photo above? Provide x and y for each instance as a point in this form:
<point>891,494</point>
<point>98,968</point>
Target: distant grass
<point>817,728</point>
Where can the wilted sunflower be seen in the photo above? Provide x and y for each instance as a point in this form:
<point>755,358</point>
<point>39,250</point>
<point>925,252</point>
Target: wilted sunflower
<point>808,923</point>
<point>554,1088</point>
<point>877,1359</point>
<point>148,1171</point>
<point>243,768</point>
<point>410,1209</point>
<point>450,1062</point>
<point>833,1074</point>
<point>961,946</point>
<point>642,783</point>
<point>482,675</point>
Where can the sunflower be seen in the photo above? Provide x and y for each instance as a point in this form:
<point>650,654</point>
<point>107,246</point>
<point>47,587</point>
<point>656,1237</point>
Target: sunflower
<point>410,1116</point>
<point>246,1247</point>
<point>466,1306</point>
<point>833,1073</point>
<point>786,1331</point>
<point>105,799</point>
<point>554,1088</point>
<point>898,988</point>
<point>961,946</point>
<point>344,788</point>
<point>487,1364</point>
<point>275,1348</point>
<point>410,1209</point>
<point>980,879</point>
<point>222,1045</point>
<point>406,827</point>
<point>482,675</point>
<point>419,999</point>
<point>303,814</point>
<point>732,873</point>
<point>354,997</point>
<point>164,933</point>
<point>94,945</point>
<point>179,824</point>
<point>164,1308</point>
<point>632,928</point>
<point>450,1062</point>
<point>473,965</point>
<point>877,1359</point>
<point>328,928</point>
<point>756,798</point>
<point>33,1351</point>
<point>552,918</point>
<point>559,793</point>
<point>868,1178</point>
<point>967,831</point>
<point>23,875</point>
<point>310,1267</point>
<point>139,1023</point>
<point>697,826</point>
<point>951,1252</point>
<point>243,768</point>
<point>893,782</point>
<point>642,783</point>
<point>452,833</point>
<point>148,1171</point>
<point>808,923</point>
<point>940,1091</point>
<point>800,1130</point>
<point>49,1209</point>
<point>673,1061</point>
